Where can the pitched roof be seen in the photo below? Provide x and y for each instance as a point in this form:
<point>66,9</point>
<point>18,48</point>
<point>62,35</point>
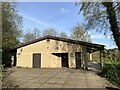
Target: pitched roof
<point>89,45</point>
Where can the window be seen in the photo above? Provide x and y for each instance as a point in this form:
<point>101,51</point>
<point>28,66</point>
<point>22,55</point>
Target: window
<point>48,40</point>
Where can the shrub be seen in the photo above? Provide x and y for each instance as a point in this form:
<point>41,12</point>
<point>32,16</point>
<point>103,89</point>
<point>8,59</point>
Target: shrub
<point>6,59</point>
<point>112,73</point>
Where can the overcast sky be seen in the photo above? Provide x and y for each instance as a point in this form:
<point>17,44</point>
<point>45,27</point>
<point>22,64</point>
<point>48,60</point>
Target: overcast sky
<point>62,16</point>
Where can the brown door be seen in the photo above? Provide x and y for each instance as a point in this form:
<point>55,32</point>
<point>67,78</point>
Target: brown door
<point>36,60</point>
<point>78,59</point>
<point>64,60</point>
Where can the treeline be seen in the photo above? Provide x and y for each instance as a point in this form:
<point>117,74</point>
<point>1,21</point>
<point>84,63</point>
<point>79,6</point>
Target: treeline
<point>110,55</point>
<point>77,33</point>
<point>113,54</point>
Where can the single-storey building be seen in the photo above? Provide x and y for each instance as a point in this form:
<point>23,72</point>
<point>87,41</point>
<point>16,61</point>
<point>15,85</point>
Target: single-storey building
<point>55,52</point>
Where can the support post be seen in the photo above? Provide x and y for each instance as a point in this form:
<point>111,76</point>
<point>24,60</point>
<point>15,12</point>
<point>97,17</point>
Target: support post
<point>91,57</point>
<point>102,58</point>
<point>84,57</point>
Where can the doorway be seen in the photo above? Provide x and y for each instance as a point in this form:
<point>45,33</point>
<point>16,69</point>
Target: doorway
<point>37,60</point>
<point>64,59</point>
<point>78,59</point>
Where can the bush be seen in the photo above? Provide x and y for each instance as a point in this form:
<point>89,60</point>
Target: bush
<point>6,59</point>
<point>112,73</point>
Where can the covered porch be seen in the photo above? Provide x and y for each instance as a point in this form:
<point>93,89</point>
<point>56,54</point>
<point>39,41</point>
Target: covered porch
<point>87,61</point>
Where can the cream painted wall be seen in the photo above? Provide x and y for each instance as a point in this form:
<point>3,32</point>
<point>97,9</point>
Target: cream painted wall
<point>46,48</point>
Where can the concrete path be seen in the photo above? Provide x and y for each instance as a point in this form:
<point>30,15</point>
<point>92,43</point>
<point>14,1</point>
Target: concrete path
<point>55,78</point>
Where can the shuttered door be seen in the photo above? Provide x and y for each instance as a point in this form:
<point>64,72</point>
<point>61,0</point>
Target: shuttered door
<point>78,59</point>
<point>64,59</point>
<point>37,60</point>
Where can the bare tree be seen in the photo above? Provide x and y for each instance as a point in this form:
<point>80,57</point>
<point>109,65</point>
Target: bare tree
<point>49,31</point>
<point>78,33</point>
<point>36,33</point>
<point>31,35</point>
<point>28,36</point>
<point>63,35</point>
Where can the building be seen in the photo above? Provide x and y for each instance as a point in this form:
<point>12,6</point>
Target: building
<point>55,52</point>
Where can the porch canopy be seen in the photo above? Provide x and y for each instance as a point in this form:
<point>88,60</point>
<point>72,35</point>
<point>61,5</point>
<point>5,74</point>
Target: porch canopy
<point>94,47</point>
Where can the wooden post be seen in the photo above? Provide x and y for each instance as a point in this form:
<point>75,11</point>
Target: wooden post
<point>91,57</point>
<point>101,58</point>
<point>12,60</point>
<point>84,57</point>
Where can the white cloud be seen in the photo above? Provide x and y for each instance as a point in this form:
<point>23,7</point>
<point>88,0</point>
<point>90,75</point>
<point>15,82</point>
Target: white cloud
<point>64,11</point>
<point>35,20</point>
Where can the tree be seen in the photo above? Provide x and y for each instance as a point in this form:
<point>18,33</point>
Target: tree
<point>11,30</point>
<point>104,17</point>
<point>31,35</point>
<point>36,33</point>
<point>78,33</point>
<point>63,35</point>
<point>49,31</point>
<point>28,36</point>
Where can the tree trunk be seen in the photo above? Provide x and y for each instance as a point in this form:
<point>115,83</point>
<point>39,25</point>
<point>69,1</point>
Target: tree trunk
<point>113,22</point>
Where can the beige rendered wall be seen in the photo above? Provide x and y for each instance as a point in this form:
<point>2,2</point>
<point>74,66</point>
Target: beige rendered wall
<point>46,48</point>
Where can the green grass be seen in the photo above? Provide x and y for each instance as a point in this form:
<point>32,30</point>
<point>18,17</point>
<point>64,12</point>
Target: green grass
<point>108,62</point>
<point>111,62</point>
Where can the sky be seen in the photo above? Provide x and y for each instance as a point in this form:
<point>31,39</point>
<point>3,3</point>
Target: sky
<point>62,16</point>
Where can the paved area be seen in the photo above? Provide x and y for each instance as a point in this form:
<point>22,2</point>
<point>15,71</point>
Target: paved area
<point>56,78</point>
<point>93,66</point>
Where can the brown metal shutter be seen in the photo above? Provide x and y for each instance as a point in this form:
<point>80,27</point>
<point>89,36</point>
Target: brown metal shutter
<point>37,60</point>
